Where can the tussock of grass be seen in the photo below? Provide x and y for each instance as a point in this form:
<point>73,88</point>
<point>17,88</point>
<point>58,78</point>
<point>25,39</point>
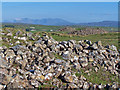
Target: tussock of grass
<point>47,86</point>
<point>57,56</point>
<point>100,77</point>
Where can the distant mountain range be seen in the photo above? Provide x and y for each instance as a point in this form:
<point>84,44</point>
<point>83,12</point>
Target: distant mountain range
<point>103,23</point>
<point>59,22</point>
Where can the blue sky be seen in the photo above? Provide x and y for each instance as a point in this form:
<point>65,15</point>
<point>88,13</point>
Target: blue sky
<point>70,11</point>
<point>60,0</point>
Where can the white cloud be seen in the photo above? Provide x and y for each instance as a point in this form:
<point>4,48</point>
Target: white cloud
<point>17,18</point>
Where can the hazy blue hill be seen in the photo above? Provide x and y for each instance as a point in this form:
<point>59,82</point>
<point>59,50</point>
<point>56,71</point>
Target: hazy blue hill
<point>103,23</point>
<point>59,22</point>
<point>56,21</point>
<point>46,21</point>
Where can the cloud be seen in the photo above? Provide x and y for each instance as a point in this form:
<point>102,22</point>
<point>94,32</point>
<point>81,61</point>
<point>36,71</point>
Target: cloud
<point>18,19</point>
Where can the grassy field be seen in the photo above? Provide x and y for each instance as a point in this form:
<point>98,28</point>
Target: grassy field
<point>54,28</point>
<point>37,27</point>
<point>101,77</point>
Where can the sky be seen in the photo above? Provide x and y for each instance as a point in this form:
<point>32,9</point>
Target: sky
<point>60,0</point>
<point>77,12</point>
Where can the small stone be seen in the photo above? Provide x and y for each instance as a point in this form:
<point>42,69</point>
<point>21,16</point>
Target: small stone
<point>18,33</point>
<point>46,59</point>
<point>9,34</point>
<point>29,34</point>
<point>48,76</point>
<point>110,68</point>
<point>58,73</point>
<point>114,85</point>
<point>91,60</point>
<point>1,87</point>
<point>76,58</point>
<point>66,55</point>
<point>89,42</point>
<point>100,86</point>
<point>85,85</point>
<point>83,61</point>
<point>40,78</point>
<point>51,55</point>
<point>113,47</point>
<point>35,83</point>
<point>82,77</point>
<point>3,63</point>
<point>72,85</point>
<point>68,78</point>
<point>58,61</point>
<point>17,42</point>
<point>99,43</point>
<point>96,69</point>
<point>86,51</point>
<point>9,54</point>
<point>5,79</point>
<point>94,46</point>
<point>0,38</point>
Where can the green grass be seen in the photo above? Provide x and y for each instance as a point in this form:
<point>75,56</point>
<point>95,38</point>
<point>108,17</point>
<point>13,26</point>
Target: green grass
<point>47,86</point>
<point>81,28</point>
<point>17,72</point>
<point>46,28</point>
<point>58,56</point>
<point>100,77</point>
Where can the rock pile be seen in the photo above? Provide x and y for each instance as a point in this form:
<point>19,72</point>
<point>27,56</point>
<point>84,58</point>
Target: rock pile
<point>67,29</point>
<point>88,31</point>
<point>50,63</point>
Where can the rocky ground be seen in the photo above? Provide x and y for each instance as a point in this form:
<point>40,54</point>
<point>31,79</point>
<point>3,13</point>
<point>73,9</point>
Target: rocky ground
<point>47,63</point>
<point>68,29</point>
<point>84,31</point>
<point>88,31</point>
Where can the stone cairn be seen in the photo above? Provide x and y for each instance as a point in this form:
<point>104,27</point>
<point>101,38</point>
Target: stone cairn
<point>88,31</point>
<point>36,64</point>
